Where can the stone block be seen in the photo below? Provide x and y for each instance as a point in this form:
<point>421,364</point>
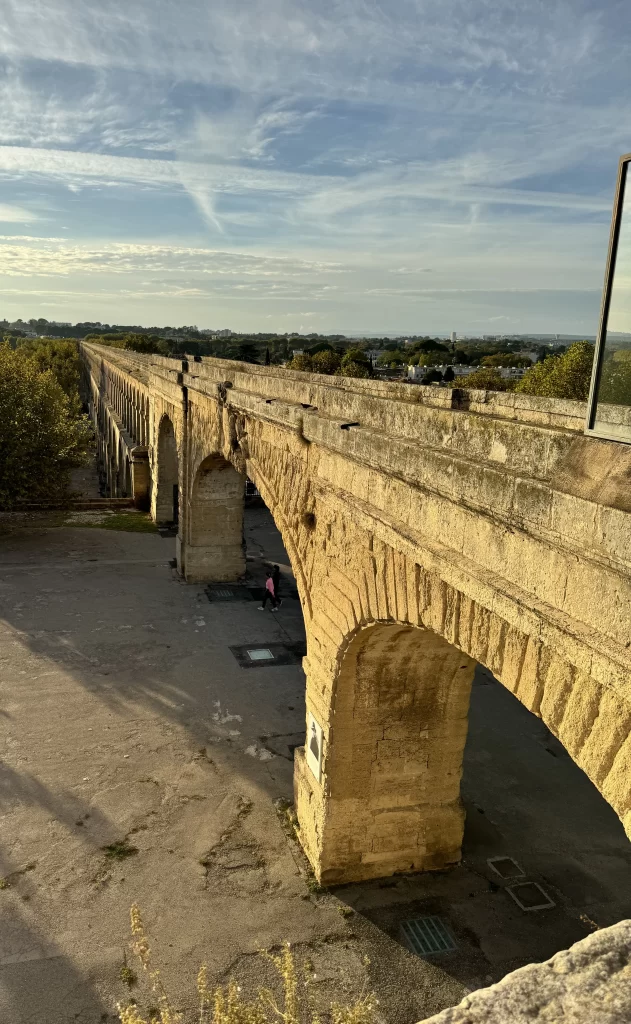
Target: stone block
<point>590,983</point>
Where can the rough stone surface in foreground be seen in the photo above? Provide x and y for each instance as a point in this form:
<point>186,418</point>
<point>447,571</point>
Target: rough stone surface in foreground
<point>587,984</point>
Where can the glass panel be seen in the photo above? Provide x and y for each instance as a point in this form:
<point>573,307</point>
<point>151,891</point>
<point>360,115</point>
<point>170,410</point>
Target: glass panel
<point>613,409</point>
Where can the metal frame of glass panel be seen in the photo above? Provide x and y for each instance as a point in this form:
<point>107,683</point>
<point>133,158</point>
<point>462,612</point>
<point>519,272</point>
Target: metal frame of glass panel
<point>609,431</point>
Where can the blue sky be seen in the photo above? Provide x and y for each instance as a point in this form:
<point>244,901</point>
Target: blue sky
<point>410,166</point>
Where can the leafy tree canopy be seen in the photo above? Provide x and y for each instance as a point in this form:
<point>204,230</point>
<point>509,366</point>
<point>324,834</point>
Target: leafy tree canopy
<point>505,359</point>
<point>561,376</point>
<point>391,357</point>
<point>40,437</point>
<point>62,357</point>
<point>488,378</point>
<point>354,364</point>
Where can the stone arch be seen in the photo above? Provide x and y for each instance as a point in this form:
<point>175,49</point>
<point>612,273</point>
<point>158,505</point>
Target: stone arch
<point>167,490</point>
<point>385,590</point>
<point>393,759</point>
<point>214,548</point>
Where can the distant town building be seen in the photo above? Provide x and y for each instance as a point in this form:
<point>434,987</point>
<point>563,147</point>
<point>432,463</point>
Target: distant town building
<point>454,337</point>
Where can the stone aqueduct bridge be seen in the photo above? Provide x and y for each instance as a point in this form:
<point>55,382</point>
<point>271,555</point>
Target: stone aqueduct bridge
<point>428,529</point>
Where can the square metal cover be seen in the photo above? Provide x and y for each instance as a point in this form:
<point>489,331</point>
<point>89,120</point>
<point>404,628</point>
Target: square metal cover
<point>289,653</point>
<point>427,935</point>
<point>530,896</point>
<point>260,654</point>
<point>505,867</point>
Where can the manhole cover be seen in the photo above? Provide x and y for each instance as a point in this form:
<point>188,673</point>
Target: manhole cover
<point>427,935</point>
<point>530,896</point>
<point>219,592</point>
<point>260,654</point>
<point>505,867</point>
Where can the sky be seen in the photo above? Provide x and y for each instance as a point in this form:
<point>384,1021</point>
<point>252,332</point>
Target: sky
<point>408,166</point>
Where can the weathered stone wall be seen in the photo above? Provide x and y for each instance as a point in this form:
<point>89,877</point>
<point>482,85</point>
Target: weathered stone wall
<point>587,984</point>
<point>119,409</point>
<point>459,523</point>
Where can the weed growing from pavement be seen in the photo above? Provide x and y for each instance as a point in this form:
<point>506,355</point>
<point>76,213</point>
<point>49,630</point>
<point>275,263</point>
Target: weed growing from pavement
<point>128,522</point>
<point>314,886</point>
<point>129,977</point>
<point>120,850</point>
<point>227,1005</point>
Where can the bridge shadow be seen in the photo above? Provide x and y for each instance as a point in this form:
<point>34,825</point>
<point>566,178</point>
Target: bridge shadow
<point>114,618</point>
<point>34,970</point>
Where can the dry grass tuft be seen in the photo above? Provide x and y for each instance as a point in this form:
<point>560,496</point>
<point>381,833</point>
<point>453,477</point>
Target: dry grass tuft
<point>226,1004</point>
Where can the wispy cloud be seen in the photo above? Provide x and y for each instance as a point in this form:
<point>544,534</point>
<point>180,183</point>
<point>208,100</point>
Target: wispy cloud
<point>470,138</point>
<point>10,214</point>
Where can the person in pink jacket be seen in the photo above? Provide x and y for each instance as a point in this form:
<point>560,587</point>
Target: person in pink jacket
<point>269,594</point>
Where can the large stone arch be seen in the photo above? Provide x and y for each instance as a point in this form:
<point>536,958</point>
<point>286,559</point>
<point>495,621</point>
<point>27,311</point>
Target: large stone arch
<point>394,755</point>
<point>371,597</point>
<point>167,474</point>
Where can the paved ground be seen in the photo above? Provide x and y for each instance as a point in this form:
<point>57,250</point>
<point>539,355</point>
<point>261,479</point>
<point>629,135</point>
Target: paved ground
<point>126,717</point>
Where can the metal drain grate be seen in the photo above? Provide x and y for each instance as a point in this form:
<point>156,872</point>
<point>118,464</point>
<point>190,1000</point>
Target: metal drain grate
<point>427,935</point>
<point>226,592</point>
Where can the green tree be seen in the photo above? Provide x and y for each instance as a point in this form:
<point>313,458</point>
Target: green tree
<point>391,357</point>
<point>431,345</point>
<point>487,378</point>
<point>301,361</point>
<point>505,359</point>
<point>62,357</point>
<point>354,363</point>
<point>563,376</point>
<point>247,352</point>
<point>326,361</point>
<point>40,438</point>
<point>432,377</point>
<point>615,379</point>
<point>430,358</point>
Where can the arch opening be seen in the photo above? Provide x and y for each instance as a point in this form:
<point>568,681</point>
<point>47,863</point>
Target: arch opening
<point>127,487</point>
<point>167,491</point>
<point>212,548</point>
<point>392,757</point>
